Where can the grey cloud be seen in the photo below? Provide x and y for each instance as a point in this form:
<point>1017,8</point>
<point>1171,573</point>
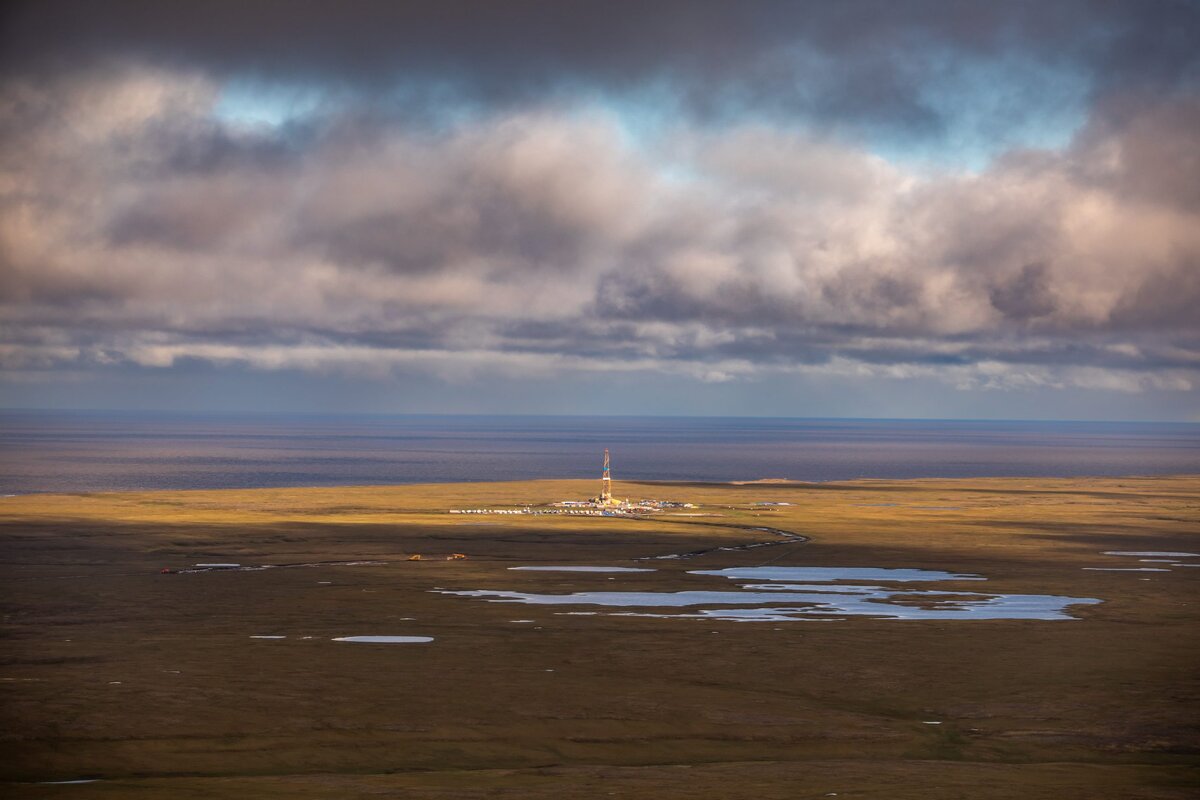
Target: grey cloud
<point>1025,295</point>
<point>1167,300</point>
<point>1145,148</point>
<point>189,214</point>
<point>535,190</point>
<point>527,239</point>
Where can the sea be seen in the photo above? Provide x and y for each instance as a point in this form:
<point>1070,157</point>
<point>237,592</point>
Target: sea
<point>43,451</point>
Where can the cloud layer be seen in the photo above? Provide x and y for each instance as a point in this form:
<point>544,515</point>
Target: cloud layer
<point>546,230</point>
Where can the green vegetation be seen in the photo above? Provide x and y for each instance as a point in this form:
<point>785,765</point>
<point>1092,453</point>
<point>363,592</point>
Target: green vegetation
<point>151,682</point>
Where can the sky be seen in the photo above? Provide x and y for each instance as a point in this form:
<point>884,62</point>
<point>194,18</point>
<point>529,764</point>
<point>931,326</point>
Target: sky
<point>866,209</point>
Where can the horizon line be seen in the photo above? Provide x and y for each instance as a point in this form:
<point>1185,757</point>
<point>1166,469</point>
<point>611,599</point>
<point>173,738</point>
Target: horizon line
<point>567,415</point>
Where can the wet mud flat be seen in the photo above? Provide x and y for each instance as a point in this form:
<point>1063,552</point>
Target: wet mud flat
<point>365,674</point>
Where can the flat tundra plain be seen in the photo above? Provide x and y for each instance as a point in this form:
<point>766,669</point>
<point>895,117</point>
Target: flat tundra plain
<point>157,685</point>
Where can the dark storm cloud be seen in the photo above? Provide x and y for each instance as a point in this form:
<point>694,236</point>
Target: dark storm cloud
<point>868,60</point>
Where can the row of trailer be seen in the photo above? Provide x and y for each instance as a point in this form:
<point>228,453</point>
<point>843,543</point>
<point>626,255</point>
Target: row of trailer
<point>570,512</point>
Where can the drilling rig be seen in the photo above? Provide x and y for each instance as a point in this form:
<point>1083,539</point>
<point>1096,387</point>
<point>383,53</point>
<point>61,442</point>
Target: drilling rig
<point>606,498</point>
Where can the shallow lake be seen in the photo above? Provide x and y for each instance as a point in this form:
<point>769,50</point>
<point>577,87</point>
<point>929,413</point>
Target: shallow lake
<point>785,594</point>
<point>580,569</point>
<point>384,639</point>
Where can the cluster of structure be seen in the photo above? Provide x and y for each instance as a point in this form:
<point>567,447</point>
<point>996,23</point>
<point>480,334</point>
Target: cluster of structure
<point>603,505</point>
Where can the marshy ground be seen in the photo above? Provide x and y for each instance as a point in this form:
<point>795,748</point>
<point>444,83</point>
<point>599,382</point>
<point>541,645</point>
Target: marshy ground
<point>155,685</point>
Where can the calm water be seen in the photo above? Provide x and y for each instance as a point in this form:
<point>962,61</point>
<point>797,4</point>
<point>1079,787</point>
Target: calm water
<point>828,593</point>
<point>41,451</point>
